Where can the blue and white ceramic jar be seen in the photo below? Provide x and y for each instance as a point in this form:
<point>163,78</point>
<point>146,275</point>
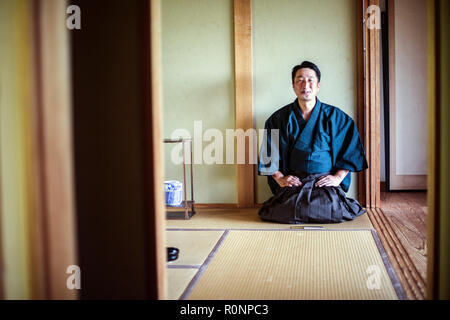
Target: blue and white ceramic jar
<point>174,192</point>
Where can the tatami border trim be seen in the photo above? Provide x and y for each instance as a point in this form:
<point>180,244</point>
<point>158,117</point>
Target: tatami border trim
<point>203,267</point>
<point>389,268</point>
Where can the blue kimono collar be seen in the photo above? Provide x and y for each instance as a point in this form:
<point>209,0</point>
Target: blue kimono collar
<point>305,136</point>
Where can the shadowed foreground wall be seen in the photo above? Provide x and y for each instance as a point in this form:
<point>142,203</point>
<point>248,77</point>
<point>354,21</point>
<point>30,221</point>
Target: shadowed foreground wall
<point>110,82</point>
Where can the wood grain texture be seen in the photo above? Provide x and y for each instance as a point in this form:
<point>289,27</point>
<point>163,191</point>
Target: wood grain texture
<point>391,246</point>
<point>244,95</point>
<point>406,213</point>
<point>401,225</point>
<point>371,108</point>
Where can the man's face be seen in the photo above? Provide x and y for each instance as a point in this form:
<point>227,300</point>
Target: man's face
<point>306,85</point>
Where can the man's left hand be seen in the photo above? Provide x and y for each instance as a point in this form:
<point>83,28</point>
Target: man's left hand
<point>328,181</point>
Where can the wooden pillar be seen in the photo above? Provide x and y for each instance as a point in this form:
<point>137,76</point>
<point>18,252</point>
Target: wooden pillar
<point>244,96</point>
<point>369,84</point>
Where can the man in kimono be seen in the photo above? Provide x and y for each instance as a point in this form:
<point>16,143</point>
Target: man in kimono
<point>308,164</point>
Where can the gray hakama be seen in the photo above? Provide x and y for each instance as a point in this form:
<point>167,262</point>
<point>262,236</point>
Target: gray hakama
<point>310,204</point>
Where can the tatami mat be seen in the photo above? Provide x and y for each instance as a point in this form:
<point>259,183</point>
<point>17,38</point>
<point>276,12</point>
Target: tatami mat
<point>249,219</point>
<point>303,264</point>
<point>194,246</point>
<point>177,281</point>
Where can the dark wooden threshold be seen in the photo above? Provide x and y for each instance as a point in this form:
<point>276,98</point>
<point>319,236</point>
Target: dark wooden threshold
<point>412,282</point>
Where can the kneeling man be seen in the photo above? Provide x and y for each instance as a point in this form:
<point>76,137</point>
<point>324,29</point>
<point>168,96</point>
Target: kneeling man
<point>309,163</point>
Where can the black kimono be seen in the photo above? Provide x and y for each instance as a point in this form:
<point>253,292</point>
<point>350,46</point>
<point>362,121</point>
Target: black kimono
<point>327,142</point>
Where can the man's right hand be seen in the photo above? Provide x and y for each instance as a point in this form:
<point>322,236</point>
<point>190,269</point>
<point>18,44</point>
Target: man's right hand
<point>286,181</point>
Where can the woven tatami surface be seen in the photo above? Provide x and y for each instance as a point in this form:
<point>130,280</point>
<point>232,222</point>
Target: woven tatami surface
<point>295,265</point>
<point>177,281</point>
<point>249,219</point>
<point>194,246</point>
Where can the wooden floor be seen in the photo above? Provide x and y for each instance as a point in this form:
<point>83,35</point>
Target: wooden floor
<point>406,212</point>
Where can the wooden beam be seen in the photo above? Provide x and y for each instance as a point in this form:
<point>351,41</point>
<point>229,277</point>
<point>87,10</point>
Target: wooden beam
<point>243,96</point>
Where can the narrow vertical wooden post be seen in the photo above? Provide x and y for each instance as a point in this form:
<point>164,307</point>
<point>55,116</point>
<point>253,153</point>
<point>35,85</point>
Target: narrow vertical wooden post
<point>360,120</point>
<point>371,105</point>
<point>154,151</point>
<point>433,158</point>
<point>244,96</point>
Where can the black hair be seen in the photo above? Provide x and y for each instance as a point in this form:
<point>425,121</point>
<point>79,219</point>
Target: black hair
<point>306,64</point>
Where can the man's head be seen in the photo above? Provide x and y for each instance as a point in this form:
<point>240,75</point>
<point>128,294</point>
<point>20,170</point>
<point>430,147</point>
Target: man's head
<point>306,80</point>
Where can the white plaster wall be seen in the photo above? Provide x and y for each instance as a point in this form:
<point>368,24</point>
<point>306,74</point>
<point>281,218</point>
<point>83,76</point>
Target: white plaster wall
<point>411,87</point>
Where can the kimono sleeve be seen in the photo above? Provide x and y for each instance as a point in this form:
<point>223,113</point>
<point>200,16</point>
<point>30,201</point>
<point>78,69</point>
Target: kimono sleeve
<point>348,151</point>
<point>273,155</point>
<point>269,156</point>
